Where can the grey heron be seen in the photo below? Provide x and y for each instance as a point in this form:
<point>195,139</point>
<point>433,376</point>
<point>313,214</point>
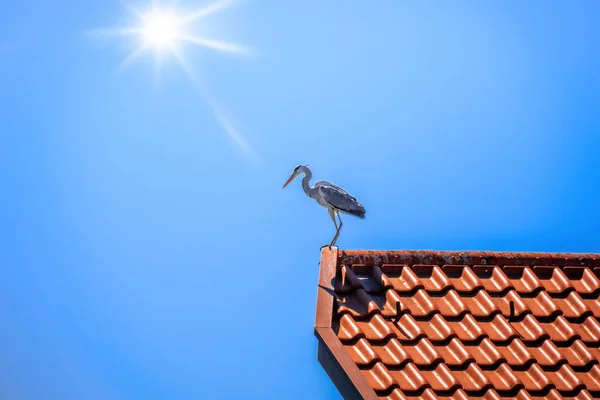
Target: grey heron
<point>335,199</point>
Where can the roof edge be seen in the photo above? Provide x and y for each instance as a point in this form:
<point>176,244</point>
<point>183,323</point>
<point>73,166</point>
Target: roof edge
<point>338,358</point>
<point>333,357</point>
<point>325,294</point>
<point>476,257</point>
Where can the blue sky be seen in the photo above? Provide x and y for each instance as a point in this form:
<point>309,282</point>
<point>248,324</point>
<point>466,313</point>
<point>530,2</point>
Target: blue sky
<point>145,256</point>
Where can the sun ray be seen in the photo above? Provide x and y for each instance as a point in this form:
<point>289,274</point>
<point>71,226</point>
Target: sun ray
<point>211,9</point>
<point>115,32</point>
<point>186,67</point>
<point>225,123</point>
<point>218,45</point>
<point>234,134</point>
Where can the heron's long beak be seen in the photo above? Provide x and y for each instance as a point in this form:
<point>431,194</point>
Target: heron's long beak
<point>291,178</point>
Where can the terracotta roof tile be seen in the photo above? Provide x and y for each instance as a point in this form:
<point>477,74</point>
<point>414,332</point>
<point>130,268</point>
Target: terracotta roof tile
<point>461,325</point>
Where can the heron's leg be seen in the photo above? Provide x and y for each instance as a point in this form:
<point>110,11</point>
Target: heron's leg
<point>337,233</point>
<point>337,229</point>
<point>332,215</point>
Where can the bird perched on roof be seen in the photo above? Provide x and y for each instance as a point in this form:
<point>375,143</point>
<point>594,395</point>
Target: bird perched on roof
<point>335,199</point>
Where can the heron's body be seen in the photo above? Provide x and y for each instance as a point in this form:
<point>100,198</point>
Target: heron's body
<point>330,196</point>
<point>335,198</point>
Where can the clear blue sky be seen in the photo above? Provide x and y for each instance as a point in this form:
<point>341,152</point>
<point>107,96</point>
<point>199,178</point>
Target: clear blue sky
<point>145,256</point>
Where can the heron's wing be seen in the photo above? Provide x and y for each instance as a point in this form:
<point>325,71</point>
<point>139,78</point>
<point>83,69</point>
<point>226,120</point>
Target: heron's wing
<point>340,199</point>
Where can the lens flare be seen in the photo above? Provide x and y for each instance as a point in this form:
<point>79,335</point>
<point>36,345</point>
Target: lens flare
<point>160,29</point>
<point>167,32</point>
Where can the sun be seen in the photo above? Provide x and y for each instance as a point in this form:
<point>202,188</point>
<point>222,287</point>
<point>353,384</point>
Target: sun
<point>160,29</point>
<point>166,30</point>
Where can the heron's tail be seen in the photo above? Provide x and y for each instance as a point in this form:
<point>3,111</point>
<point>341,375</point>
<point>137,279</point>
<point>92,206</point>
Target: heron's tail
<point>359,212</point>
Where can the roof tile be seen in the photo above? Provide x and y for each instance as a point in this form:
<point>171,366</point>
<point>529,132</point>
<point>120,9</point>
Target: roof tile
<point>516,353</point>
<point>462,278</point>
<point>402,278</point>
<point>392,353</point>
<point>559,330</point>
<point>455,353</point>
<point>376,328</point>
<point>441,378</point>
<point>542,305</point>
<point>588,330</point>
<point>583,280</point>
<point>547,354</point>
<point>534,379</point>
<point>553,279</point>
<point>358,304</point>
<point>432,278</point>
<point>565,379</point>
<point>591,304</point>
<point>349,284</point>
<point>410,329</point>
<point>523,279</point>
<point>419,304</point>
<point>362,353</point>
<point>498,329</point>
<point>481,305</point>
<point>573,306</point>
<point>349,329</point>
<point>591,379</point>
<point>473,379</point>
<point>467,328</point>
<point>493,278</point>
<point>579,355</point>
<point>486,353</point>
<point>409,378</point>
<point>379,377</point>
<point>529,328</point>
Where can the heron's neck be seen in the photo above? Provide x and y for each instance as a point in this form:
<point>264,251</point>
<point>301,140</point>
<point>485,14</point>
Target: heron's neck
<point>306,183</point>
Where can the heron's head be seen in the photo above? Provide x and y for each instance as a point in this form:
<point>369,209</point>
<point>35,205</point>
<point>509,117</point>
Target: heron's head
<point>297,171</point>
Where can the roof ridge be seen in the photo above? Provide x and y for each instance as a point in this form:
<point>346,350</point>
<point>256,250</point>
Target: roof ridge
<point>465,257</point>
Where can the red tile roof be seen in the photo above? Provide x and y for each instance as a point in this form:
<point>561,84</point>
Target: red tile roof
<point>440,325</point>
